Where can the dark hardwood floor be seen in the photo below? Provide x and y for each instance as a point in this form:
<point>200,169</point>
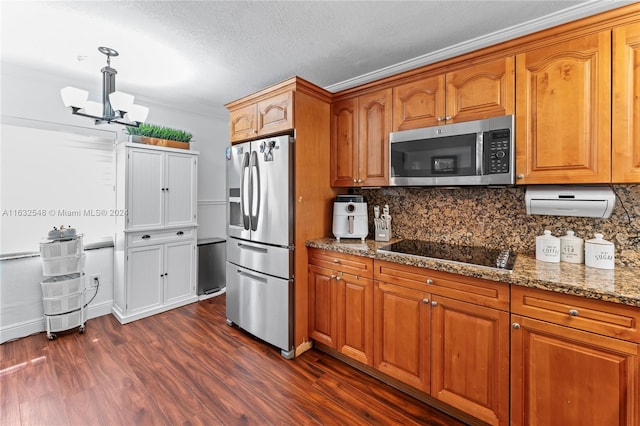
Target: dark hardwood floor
<point>187,367</point>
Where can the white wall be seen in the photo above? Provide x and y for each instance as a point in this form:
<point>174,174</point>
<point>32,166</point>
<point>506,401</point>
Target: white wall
<point>32,95</point>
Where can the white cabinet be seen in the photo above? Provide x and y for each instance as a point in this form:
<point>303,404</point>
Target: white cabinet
<point>155,240</point>
<point>161,189</point>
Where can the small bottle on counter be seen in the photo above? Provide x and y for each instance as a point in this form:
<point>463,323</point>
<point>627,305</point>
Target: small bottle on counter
<point>571,248</point>
<point>548,248</point>
<point>599,253</point>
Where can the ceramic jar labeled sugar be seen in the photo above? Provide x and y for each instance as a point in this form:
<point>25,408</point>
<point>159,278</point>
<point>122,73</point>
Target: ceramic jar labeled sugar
<point>548,248</point>
<point>599,253</point>
<point>571,248</point>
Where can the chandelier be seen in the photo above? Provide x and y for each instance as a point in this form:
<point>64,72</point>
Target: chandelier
<point>116,107</point>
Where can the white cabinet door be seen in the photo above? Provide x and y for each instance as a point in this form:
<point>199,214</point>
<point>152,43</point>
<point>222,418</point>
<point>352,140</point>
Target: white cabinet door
<point>179,271</point>
<point>181,189</point>
<point>145,194</point>
<point>144,278</point>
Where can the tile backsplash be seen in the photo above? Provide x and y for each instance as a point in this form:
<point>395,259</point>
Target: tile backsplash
<point>496,218</point>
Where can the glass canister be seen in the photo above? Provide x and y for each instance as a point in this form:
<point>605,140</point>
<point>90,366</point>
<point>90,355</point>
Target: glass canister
<point>599,253</point>
<point>571,248</point>
<point>548,248</point>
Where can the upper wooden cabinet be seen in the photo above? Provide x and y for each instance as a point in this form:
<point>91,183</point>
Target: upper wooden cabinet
<point>471,93</point>
<point>267,116</point>
<point>563,118</point>
<point>625,149</point>
<point>360,140</point>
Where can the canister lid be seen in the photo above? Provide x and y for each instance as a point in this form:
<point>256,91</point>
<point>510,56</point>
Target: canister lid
<point>599,240</point>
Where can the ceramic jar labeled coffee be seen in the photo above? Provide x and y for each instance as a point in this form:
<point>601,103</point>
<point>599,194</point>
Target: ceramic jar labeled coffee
<point>548,248</point>
<point>599,253</point>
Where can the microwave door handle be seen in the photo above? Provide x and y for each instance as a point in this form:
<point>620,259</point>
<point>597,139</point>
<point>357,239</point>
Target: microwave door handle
<point>245,188</point>
<point>480,154</point>
<point>254,207</point>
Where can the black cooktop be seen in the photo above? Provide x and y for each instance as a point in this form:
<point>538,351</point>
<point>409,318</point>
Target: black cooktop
<point>470,255</point>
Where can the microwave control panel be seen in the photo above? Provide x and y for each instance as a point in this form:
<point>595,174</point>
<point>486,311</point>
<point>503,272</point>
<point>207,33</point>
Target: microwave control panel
<point>497,151</point>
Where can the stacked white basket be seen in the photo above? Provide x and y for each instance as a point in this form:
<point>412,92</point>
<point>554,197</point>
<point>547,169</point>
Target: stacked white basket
<point>63,292</point>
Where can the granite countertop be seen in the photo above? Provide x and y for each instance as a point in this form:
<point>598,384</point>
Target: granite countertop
<point>620,285</point>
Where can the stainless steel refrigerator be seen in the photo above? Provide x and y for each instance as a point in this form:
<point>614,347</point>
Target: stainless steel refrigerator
<point>260,252</point>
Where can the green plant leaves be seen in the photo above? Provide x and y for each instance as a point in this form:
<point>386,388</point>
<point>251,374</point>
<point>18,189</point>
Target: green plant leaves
<point>161,132</point>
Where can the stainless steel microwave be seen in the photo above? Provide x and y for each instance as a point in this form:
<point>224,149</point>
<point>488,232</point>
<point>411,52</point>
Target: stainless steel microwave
<point>480,152</point>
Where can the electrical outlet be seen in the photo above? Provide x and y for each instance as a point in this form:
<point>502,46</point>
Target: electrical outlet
<point>94,279</point>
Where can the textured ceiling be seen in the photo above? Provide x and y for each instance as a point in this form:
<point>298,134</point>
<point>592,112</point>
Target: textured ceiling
<point>199,55</point>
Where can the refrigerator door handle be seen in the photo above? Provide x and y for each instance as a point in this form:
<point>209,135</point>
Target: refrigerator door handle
<point>245,189</point>
<point>254,207</point>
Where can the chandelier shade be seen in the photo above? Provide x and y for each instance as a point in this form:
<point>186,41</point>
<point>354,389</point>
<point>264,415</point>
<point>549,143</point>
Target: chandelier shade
<point>116,107</point>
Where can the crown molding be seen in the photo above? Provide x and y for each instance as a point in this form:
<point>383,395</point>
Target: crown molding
<point>589,8</point>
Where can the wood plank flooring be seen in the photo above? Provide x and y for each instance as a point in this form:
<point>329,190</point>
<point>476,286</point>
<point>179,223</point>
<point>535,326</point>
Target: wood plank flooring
<point>187,367</point>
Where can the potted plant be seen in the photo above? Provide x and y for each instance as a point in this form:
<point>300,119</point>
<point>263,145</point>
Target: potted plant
<point>159,135</point>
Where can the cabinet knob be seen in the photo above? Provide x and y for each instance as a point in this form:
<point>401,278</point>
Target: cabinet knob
<point>338,278</point>
<point>520,176</point>
<point>333,277</point>
<point>515,326</point>
<point>359,180</point>
<point>448,117</point>
<point>146,237</point>
<point>425,300</point>
<point>429,281</point>
<point>440,118</point>
<point>179,233</point>
<point>574,312</point>
<point>336,260</point>
<point>355,181</point>
<point>434,303</point>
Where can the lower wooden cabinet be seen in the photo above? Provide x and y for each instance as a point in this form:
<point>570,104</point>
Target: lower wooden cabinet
<point>341,305</point>
<point>401,334</point>
<point>563,376</point>
<point>470,358</point>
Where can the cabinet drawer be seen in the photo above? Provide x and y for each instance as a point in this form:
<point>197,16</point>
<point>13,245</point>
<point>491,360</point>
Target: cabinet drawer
<point>609,319</point>
<point>473,290</point>
<point>135,239</point>
<point>348,263</point>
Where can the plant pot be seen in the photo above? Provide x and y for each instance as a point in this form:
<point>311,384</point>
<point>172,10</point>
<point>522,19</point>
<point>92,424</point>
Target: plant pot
<point>158,142</point>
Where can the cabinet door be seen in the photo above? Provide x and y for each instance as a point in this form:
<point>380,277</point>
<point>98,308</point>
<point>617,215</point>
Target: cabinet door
<point>344,143</point>
<point>179,271</point>
<point>323,296</point>
<point>145,183</point>
<point>144,279</point>
<point>401,334</point>
<point>243,123</point>
<point>481,91</point>
<point>563,119</point>
<point>561,376</point>
<point>419,103</point>
<point>181,191</point>
<point>374,118</point>
<point>275,114</point>
<point>626,105</point>
<point>470,358</point>
<point>355,318</point>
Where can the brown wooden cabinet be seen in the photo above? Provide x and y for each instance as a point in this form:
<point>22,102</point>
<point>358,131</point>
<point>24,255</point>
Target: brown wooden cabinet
<point>446,335</point>
<point>625,148</point>
<point>566,365</point>
<point>341,303</point>
<point>471,93</point>
<point>563,119</point>
<point>359,140</point>
<point>270,115</point>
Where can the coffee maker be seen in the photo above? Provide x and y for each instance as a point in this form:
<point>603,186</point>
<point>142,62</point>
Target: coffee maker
<point>350,219</point>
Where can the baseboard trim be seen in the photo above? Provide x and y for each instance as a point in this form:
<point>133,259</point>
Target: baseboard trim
<point>37,325</point>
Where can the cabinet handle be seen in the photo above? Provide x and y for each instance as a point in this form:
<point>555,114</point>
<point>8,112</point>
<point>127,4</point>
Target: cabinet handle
<point>425,301</point>
<point>336,260</point>
<point>146,237</point>
<point>434,303</point>
<point>355,181</point>
<point>429,281</point>
<point>180,233</point>
<point>515,326</point>
<point>448,117</point>
<point>574,312</point>
<point>338,278</point>
<point>359,180</point>
<point>333,277</point>
<point>440,118</point>
<point>520,176</point>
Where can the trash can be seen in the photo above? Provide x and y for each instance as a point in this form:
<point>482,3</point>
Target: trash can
<point>211,265</point>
